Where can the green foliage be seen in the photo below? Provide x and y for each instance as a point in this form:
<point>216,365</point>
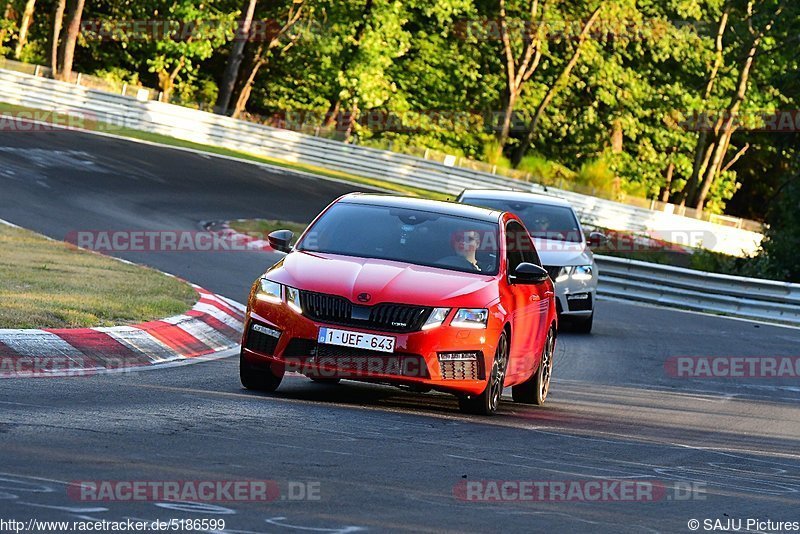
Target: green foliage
<point>781,246</point>
<point>433,74</point>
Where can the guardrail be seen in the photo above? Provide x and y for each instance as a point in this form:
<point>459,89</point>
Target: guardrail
<point>207,128</point>
<point>664,285</point>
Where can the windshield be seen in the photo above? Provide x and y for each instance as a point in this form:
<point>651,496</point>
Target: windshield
<point>543,221</point>
<point>405,235</point>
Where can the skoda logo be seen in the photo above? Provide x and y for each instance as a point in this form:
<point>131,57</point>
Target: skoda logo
<point>364,297</point>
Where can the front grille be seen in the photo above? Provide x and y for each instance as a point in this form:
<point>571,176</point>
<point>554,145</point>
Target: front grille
<point>460,370</point>
<point>386,317</point>
<point>366,361</point>
<point>584,304</point>
<point>261,342</point>
<point>553,271</point>
<point>300,348</point>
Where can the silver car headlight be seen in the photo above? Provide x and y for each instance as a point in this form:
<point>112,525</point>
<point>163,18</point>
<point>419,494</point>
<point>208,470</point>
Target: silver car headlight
<point>582,273</point>
<point>471,318</point>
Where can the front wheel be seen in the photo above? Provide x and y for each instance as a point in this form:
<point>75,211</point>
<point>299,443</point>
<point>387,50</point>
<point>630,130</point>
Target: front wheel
<point>487,402</point>
<point>258,379</point>
<point>535,389</point>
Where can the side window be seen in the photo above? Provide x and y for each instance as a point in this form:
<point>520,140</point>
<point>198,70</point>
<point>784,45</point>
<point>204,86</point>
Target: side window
<point>514,254</point>
<point>519,246</point>
<point>529,253</point>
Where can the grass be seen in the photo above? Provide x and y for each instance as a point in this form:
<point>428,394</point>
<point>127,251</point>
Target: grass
<point>180,143</point>
<point>49,284</point>
<point>262,227</point>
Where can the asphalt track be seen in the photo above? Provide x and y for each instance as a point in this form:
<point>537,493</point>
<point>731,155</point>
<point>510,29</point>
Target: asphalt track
<point>382,459</point>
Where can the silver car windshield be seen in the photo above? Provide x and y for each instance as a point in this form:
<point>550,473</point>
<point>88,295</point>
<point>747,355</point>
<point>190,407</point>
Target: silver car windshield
<point>543,221</point>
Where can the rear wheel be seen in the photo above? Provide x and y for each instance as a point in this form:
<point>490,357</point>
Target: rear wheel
<point>535,389</point>
<point>259,379</point>
<point>486,403</point>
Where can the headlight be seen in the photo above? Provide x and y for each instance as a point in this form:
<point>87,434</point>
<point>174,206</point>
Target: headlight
<point>293,298</point>
<point>277,293</point>
<point>269,291</point>
<point>563,274</point>
<point>471,318</point>
<point>582,272</point>
<point>438,315</point>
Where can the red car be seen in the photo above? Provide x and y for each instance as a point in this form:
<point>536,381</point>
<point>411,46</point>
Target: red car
<point>408,292</point>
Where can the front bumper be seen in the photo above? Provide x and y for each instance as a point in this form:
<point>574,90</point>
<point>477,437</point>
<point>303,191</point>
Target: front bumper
<point>287,341</point>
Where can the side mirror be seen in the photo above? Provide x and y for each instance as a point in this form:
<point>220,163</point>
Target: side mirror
<point>597,239</point>
<point>529,273</point>
<point>280,239</point>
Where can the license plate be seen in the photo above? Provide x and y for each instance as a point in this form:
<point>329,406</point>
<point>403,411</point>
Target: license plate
<point>356,340</point>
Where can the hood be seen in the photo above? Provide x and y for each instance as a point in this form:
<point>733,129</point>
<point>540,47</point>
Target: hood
<point>563,253</point>
<point>384,281</point>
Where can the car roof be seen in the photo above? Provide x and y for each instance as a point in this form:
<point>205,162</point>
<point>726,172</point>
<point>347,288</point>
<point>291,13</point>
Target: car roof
<point>437,206</point>
<point>511,195</point>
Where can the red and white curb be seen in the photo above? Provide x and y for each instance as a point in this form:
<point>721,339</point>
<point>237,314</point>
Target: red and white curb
<point>250,242</point>
<point>211,329</point>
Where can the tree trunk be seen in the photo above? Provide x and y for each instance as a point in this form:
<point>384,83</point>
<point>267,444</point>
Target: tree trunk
<point>166,80</point>
<point>557,85</point>
<point>518,70</point>
<point>668,176</point>
<point>701,154</point>
<point>24,26</point>
<point>728,126</point>
<point>58,20</point>
<point>335,101</point>
<point>235,61</point>
<point>73,29</point>
<point>244,95</point>
<point>505,129</point>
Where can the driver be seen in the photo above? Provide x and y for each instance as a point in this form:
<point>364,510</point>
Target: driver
<point>465,245</point>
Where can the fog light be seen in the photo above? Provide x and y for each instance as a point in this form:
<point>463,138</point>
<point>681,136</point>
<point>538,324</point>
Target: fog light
<point>578,296</point>
<point>458,356</point>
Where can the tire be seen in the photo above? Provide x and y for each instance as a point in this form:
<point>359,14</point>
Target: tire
<point>258,379</point>
<point>331,381</point>
<point>487,402</point>
<point>535,389</point>
<point>583,326</point>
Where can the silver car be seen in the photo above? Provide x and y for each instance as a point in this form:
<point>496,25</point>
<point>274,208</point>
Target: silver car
<point>561,244</point>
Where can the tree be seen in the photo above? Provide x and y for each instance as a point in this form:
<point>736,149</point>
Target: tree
<point>24,26</point>
<point>203,28</point>
<point>235,60</point>
<point>68,50</point>
<point>58,20</point>
<point>278,37</point>
<point>559,83</point>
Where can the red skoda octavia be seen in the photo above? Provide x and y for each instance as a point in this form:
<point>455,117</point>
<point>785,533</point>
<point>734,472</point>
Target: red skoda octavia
<point>408,292</point>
